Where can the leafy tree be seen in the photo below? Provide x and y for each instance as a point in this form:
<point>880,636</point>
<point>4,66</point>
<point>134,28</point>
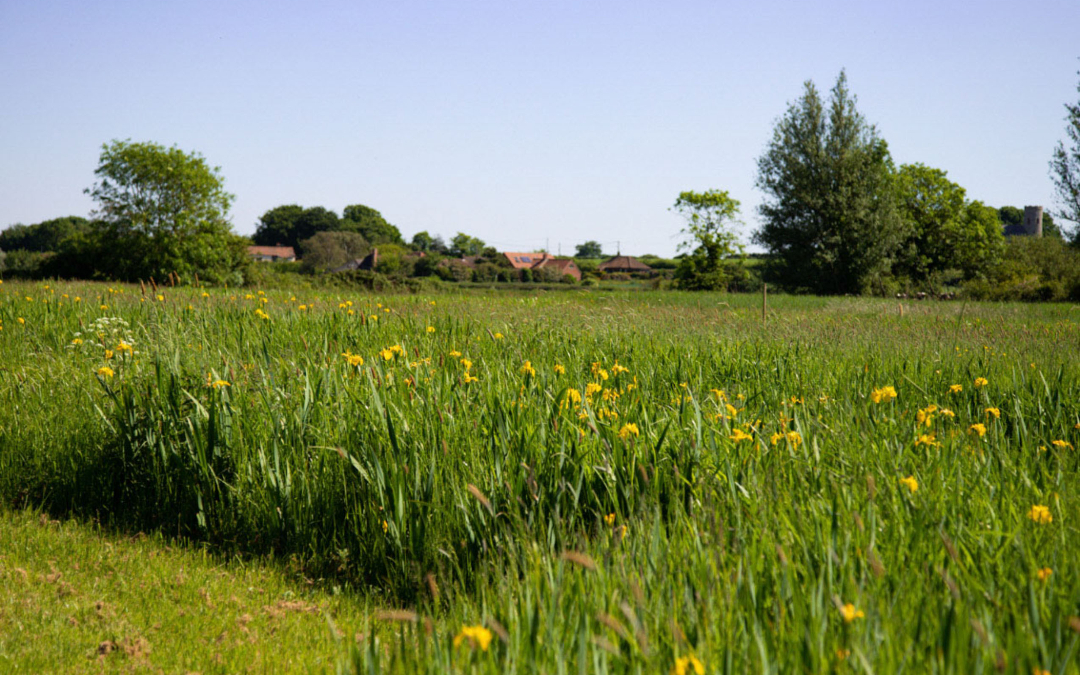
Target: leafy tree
<point>370,224</point>
<point>276,226</point>
<point>590,249</point>
<point>162,210</point>
<point>314,220</point>
<point>709,217</point>
<point>830,213</point>
<point>463,245</point>
<point>328,250</point>
<point>1065,168</point>
<point>422,241</point>
<point>944,230</point>
<point>44,236</point>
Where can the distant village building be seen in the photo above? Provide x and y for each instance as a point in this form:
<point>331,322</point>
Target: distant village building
<point>535,261</point>
<point>624,263</point>
<point>1032,225</point>
<point>272,253</point>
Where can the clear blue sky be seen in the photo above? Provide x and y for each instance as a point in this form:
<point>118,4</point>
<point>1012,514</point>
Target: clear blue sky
<point>519,122</point>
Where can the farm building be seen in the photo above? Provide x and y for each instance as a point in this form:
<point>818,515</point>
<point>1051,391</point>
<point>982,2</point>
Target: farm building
<point>625,264</point>
<point>535,261</point>
<point>272,253</point>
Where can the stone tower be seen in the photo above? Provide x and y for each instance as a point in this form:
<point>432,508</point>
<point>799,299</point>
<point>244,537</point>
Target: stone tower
<point>1033,221</point>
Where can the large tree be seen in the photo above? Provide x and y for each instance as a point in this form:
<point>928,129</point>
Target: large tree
<point>830,212</point>
<point>463,245</point>
<point>370,224</point>
<point>1065,168</point>
<point>709,239</point>
<point>162,210</point>
<point>944,230</point>
<point>276,227</point>
<point>328,250</point>
<point>590,249</point>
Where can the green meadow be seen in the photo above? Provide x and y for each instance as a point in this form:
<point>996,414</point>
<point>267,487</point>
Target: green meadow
<point>590,482</point>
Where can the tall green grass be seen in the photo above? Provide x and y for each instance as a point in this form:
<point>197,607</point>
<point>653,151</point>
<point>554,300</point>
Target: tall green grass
<point>486,495</point>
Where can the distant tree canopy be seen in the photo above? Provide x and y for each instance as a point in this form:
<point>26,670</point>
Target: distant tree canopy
<point>590,249</point>
<point>328,250</point>
<point>290,224</point>
<point>370,224</point>
<point>830,213</point>
<point>463,245</point>
<point>43,236</point>
<point>944,231</point>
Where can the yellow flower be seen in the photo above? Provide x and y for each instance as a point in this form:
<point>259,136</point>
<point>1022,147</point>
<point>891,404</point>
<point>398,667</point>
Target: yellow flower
<point>498,336</point>
<point>849,613</point>
<point>528,369</point>
<point>993,411</point>
<point>956,388</point>
<point>261,314</point>
<point>776,438</point>
<point>454,353</point>
<point>478,636</point>
<point>685,665</point>
<point>731,411</point>
<point>842,653</point>
<point>77,341</point>
<point>910,483</point>
<point>609,519</point>
<point>617,370</point>
<point>218,384</point>
<point>385,526</point>
<point>979,429</point>
<point>108,354</point>
<point>795,438</point>
<point>738,435</point>
<point>103,307</point>
<point>123,347</point>
<point>161,298</point>
<point>1040,514</point>
<point>592,388</point>
<point>926,415</point>
<point>719,394</point>
<point>21,321</point>
<point>945,412</point>
<point>105,372</point>
<point>431,329</point>
<point>559,369</point>
<point>205,294</point>
<point>883,395</point>
<point>469,378</point>
<point>1061,444</point>
<point>354,359</point>
<point>386,354</point>
<point>929,440</point>
<point>628,430</point>
<point>1044,573</point>
<point>466,363</point>
<point>981,382</point>
<point>572,396</point>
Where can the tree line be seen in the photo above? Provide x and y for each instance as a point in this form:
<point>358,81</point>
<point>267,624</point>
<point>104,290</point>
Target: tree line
<point>839,217</point>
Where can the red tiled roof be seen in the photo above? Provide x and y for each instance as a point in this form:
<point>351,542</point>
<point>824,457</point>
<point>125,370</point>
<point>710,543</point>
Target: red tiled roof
<point>624,263</point>
<point>273,251</point>
<point>523,261</point>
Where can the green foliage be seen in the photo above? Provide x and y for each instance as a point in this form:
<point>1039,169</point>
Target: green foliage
<point>422,241</point>
<point>369,223</point>
<point>1065,167</point>
<point>589,250</point>
<point>328,250</point>
<point>484,494</point>
<point>710,239</point>
<point>1032,269</point>
<point>277,226</point>
<point>944,231</point>
<point>463,245</point>
<point>44,236</point>
<point>830,213</point>
<point>160,211</point>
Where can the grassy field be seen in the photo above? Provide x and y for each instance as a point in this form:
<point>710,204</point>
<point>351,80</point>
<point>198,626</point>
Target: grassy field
<point>586,482</point>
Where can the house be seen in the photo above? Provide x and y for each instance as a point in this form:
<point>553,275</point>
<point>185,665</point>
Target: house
<point>565,266</point>
<point>535,261</point>
<point>272,253</point>
<point>625,264</point>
